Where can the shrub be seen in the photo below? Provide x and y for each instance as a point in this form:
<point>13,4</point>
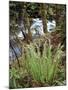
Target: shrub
<point>43,68</point>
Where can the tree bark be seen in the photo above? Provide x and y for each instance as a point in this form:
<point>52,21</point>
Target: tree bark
<point>24,17</point>
<point>27,25</point>
<point>43,16</point>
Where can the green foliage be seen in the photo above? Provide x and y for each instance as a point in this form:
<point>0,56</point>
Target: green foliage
<point>14,75</point>
<point>43,69</point>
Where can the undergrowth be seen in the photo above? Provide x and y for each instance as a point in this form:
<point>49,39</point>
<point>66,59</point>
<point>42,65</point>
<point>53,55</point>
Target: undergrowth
<point>38,68</point>
<point>43,68</point>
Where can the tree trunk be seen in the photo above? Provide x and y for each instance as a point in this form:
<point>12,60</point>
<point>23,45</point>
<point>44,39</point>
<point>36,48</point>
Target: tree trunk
<point>24,17</point>
<point>43,16</point>
<point>27,25</point>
